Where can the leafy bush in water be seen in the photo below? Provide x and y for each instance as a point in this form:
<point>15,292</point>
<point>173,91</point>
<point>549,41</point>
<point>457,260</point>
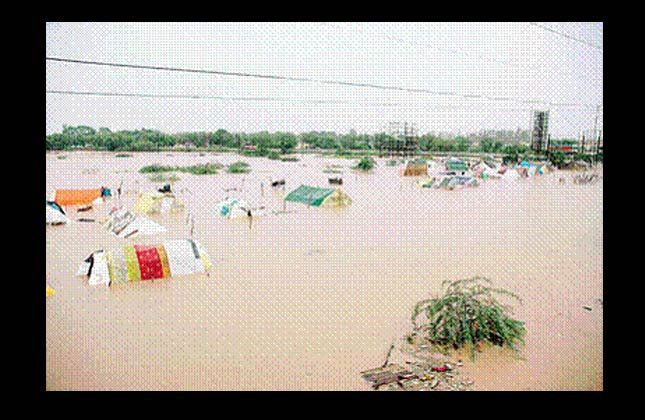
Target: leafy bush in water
<point>273,155</point>
<point>365,164</point>
<point>239,168</point>
<point>161,178</point>
<point>202,169</point>
<point>557,159</point>
<point>156,168</point>
<point>467,314</point>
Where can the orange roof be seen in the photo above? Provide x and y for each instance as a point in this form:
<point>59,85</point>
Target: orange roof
<point>76,197</point>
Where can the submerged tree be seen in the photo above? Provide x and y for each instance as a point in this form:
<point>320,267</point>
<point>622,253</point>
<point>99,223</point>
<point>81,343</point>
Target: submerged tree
<point>467,314</point>
<point>365,164</point>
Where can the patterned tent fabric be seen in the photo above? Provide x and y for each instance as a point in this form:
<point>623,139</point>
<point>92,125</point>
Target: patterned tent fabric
<point>126,224</point>
<point>146,262</point>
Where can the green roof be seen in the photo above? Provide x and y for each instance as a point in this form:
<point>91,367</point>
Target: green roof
<point>312,196</point>
<point>456,166</point>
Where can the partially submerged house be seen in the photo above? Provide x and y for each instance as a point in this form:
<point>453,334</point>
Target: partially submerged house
<point>449,182</point>
<point>319,197</point>
<point>457,166</point>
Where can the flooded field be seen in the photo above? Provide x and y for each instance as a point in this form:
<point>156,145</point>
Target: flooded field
<point>308,298</point>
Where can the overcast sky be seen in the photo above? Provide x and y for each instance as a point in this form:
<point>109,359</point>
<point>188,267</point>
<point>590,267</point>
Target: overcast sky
<point>512,60</point>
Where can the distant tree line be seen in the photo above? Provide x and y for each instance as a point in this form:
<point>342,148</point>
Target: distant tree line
<point>85,137</point>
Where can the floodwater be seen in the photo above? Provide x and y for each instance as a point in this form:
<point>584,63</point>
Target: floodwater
<point>308,298</point>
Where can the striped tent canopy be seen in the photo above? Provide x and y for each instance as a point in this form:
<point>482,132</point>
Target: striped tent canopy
<point>145,262</point>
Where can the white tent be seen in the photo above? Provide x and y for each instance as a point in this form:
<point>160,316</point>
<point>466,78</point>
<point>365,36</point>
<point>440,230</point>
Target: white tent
<point>235,208</point>
<point>53,216</point>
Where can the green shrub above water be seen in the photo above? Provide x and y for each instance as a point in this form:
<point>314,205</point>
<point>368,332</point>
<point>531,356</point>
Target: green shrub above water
<point>239,168</point>
<point>202,169</point>
<point>163,178</point>
<point>365,164</point>
<point>468,314</point>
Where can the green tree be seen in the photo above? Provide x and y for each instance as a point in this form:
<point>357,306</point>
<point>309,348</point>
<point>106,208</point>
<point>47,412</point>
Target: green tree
<point>463,144</point>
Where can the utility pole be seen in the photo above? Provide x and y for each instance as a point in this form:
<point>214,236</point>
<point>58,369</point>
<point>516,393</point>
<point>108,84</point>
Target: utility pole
<point>548,143</point>
<point>582,149</point>
<point>595,124</point>
<point>598,145</point>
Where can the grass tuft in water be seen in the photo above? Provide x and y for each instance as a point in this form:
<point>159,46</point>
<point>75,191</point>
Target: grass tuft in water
<point>239,168</point>
<point>468,314</point>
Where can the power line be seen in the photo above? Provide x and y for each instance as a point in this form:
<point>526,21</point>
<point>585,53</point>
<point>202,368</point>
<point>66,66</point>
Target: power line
<point>566,35</point>
<point>307,79</point>
<point>223,98</point>
<point>420,44</point>
<point>269,99</point>
<point>511,65</point>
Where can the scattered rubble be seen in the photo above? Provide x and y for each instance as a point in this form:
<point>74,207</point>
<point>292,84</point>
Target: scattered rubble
<point>586,179</point>
<point>417,376</point>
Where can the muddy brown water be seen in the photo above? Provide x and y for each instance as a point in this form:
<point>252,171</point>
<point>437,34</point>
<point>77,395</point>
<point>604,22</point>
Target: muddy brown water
<point>307,299</point>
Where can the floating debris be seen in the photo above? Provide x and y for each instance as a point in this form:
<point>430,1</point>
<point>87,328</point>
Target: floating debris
<point>586,179</point>
<point>429,375</point>
<point>387,375</point>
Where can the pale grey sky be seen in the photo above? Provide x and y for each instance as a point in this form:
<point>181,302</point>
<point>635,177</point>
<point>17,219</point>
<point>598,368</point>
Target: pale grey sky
<point>515,60</point>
